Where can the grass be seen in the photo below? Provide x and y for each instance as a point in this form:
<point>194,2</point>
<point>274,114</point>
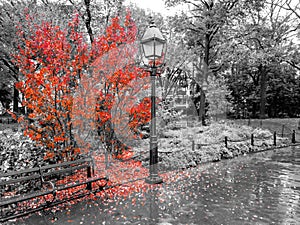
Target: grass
<point>274,124</point>
<point>282,126</point>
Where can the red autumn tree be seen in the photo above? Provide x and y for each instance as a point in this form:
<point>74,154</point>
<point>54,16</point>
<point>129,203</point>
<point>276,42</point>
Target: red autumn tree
<point>69,87</point>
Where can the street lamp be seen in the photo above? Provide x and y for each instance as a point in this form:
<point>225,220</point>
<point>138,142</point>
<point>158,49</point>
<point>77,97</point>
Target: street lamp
<point>153,45</point>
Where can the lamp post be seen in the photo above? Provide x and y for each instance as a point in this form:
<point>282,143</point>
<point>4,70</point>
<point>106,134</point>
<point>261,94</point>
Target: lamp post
<point>153,46</point>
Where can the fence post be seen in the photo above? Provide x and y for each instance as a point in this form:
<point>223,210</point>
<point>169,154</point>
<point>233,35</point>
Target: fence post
<point>252,139</point>
<point>274,140</point>
<point>89,175</point>
<point>226,141</point>
<point>193,145</point>
<point>282,130</point>
<point>294,137</point>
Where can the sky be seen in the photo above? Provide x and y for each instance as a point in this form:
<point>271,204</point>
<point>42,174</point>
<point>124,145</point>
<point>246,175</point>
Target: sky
<point>154,5</point>
<point>158,5</point>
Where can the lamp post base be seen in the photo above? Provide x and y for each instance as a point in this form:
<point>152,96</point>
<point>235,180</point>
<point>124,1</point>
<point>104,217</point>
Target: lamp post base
<point>154,179</point>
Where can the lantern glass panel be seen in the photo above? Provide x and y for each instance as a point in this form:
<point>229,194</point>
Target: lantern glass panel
<point>148,49</point>
<point>159,47</point>
<point>153,49</point>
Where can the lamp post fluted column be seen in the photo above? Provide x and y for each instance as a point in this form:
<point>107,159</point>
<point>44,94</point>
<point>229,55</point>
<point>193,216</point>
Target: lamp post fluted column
<point>153,175</point>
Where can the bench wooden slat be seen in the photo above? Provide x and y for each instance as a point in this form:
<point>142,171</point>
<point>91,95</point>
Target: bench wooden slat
<point>64,171</point>
<point>80,161</point>
<point>24,197</point>
<point>82,183</point>
<point>37,169</point>
<point>14,173</point>
<point>37,176</point>
<point>17,180</point>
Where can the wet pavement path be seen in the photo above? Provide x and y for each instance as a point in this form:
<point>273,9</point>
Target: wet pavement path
<point>262,188</point>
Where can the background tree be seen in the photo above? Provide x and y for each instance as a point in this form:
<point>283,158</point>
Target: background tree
<point>204,25</point>
<point>294,51</point>
<point>5,90</point>
<point>218,94</point>
<point>10,14</point>
<point>263,32</point>
<point>13,15</point>
<point>283,92</point>
<point>96,14</point>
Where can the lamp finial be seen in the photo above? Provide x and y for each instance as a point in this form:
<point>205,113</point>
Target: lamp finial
<point>152,23</point>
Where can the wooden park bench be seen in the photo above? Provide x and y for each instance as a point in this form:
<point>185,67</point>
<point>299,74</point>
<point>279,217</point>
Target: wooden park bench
<point>43,182</point>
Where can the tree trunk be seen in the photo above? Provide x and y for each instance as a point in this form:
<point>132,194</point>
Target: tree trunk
<point>263,91</point>
<point>204,79</point>
<point>202,108</point>
<point>15,100</point>
<point>88,20</point>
